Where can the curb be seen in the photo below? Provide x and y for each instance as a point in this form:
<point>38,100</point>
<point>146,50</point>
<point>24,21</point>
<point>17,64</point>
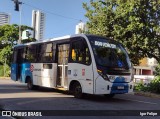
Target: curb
<point>147,94</point>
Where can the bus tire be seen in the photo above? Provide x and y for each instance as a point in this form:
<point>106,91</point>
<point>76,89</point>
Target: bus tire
<point>30,85</point>
<point>109,95</point>
<point>77,90</point>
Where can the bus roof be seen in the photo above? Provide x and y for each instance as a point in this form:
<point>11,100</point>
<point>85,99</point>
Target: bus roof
<point>59,38</point>
<point>50,39</point>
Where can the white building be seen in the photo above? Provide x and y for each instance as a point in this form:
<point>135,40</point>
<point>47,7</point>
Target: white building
<point>146,67</point>
<point>152,62</point>
<point>38,23</point>
<point>80,28</point>
<point>145,71</point>
<point>4,18</point>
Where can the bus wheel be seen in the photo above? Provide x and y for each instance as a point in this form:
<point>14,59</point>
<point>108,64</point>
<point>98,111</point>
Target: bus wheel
<point>77,90</point>
<point>109,95</point>
<point>30,85</point>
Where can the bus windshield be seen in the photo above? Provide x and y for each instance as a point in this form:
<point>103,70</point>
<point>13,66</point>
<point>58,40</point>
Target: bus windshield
<point>109,53</point>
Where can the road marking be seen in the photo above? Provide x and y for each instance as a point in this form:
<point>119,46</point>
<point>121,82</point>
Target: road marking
<point>152,103</point>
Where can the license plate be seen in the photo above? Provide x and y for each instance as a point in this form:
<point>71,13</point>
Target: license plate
<point>120,87</point>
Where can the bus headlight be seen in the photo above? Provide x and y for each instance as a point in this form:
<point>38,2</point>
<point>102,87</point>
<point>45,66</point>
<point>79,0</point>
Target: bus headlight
<point>111,78</point>
<point>127,79</point>
<point>105,77</point>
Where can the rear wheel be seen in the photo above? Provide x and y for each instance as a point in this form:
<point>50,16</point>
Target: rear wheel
<point>77,90</point>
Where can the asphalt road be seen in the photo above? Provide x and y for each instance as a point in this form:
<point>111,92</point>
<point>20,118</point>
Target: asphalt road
<point>55,104</point>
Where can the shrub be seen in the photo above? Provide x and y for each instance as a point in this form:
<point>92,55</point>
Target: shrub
<point>154,86</point>
<point>7,72</point>
<point>1,70</point>
<point>140,87</point>
<point>157,71</point>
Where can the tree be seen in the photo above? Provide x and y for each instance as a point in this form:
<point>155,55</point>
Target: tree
<point>9,35</point>
<point>134,23</point>
<point>157,70</point>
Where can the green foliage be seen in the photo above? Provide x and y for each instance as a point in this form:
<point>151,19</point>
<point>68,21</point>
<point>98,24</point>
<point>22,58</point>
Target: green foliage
<point>157,71</point>
<point>134,23</point>
<point>141,87</point>
<point>1,70</point>
<point>9,35</point>
<point>7,71</point>
<point>153,86</point>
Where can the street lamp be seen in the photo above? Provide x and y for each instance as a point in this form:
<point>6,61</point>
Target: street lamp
<point>18,8</point>
<point>20,14</point>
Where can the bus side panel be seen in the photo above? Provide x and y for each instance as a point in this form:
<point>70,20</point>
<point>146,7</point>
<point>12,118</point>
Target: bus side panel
<point>43,74</point>
<point>14,72</point>
<point>83,74</point>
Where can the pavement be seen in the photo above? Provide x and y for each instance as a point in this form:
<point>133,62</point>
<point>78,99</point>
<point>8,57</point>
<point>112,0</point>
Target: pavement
<point>140,93</point>
<point>3,78</point>
<point>15,96</point>
<point>147,94</point>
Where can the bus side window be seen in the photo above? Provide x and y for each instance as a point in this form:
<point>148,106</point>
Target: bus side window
<point>73,55</point>
<point>49,52</point>
<point>39,53</point>
<point>30,54</point>
<point>87,53</point>
<point>46,52</point>
<point>76,48</point>
<point>20,55</point>
<point>80,52</point>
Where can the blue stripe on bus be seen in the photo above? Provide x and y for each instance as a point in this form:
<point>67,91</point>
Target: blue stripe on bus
<point>14,72</point>
<point>25,71</point>
<point>119,86</point>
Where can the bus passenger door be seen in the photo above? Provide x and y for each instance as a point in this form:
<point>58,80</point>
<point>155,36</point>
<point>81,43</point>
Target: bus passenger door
<point>16,65</point>
<point>62,74</point>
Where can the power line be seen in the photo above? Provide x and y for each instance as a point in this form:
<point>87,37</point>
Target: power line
<point>55,14</point>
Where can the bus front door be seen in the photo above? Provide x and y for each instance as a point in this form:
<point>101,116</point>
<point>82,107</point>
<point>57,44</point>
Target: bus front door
<point>16,64</point>
<point>62,74</point>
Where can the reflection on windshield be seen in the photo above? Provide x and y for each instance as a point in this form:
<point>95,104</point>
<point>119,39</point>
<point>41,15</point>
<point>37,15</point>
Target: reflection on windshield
<point>109,54</point>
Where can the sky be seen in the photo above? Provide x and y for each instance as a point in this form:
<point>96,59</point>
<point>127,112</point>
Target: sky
<point>62,16</point>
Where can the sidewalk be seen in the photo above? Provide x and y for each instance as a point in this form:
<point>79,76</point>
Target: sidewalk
<point>147,94</point>
<point>1,78</point>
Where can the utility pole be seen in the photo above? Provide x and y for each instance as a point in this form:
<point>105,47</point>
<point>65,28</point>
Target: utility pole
<point>4,66</point>
<point>20,32</point>
<point>18,8</point>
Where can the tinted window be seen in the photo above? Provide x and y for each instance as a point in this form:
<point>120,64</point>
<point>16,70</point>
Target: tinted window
<point>45,52</point>
<point>109,53</point>
<point>80,52</point>
<point>30,53</point>
<point>19,56</point>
